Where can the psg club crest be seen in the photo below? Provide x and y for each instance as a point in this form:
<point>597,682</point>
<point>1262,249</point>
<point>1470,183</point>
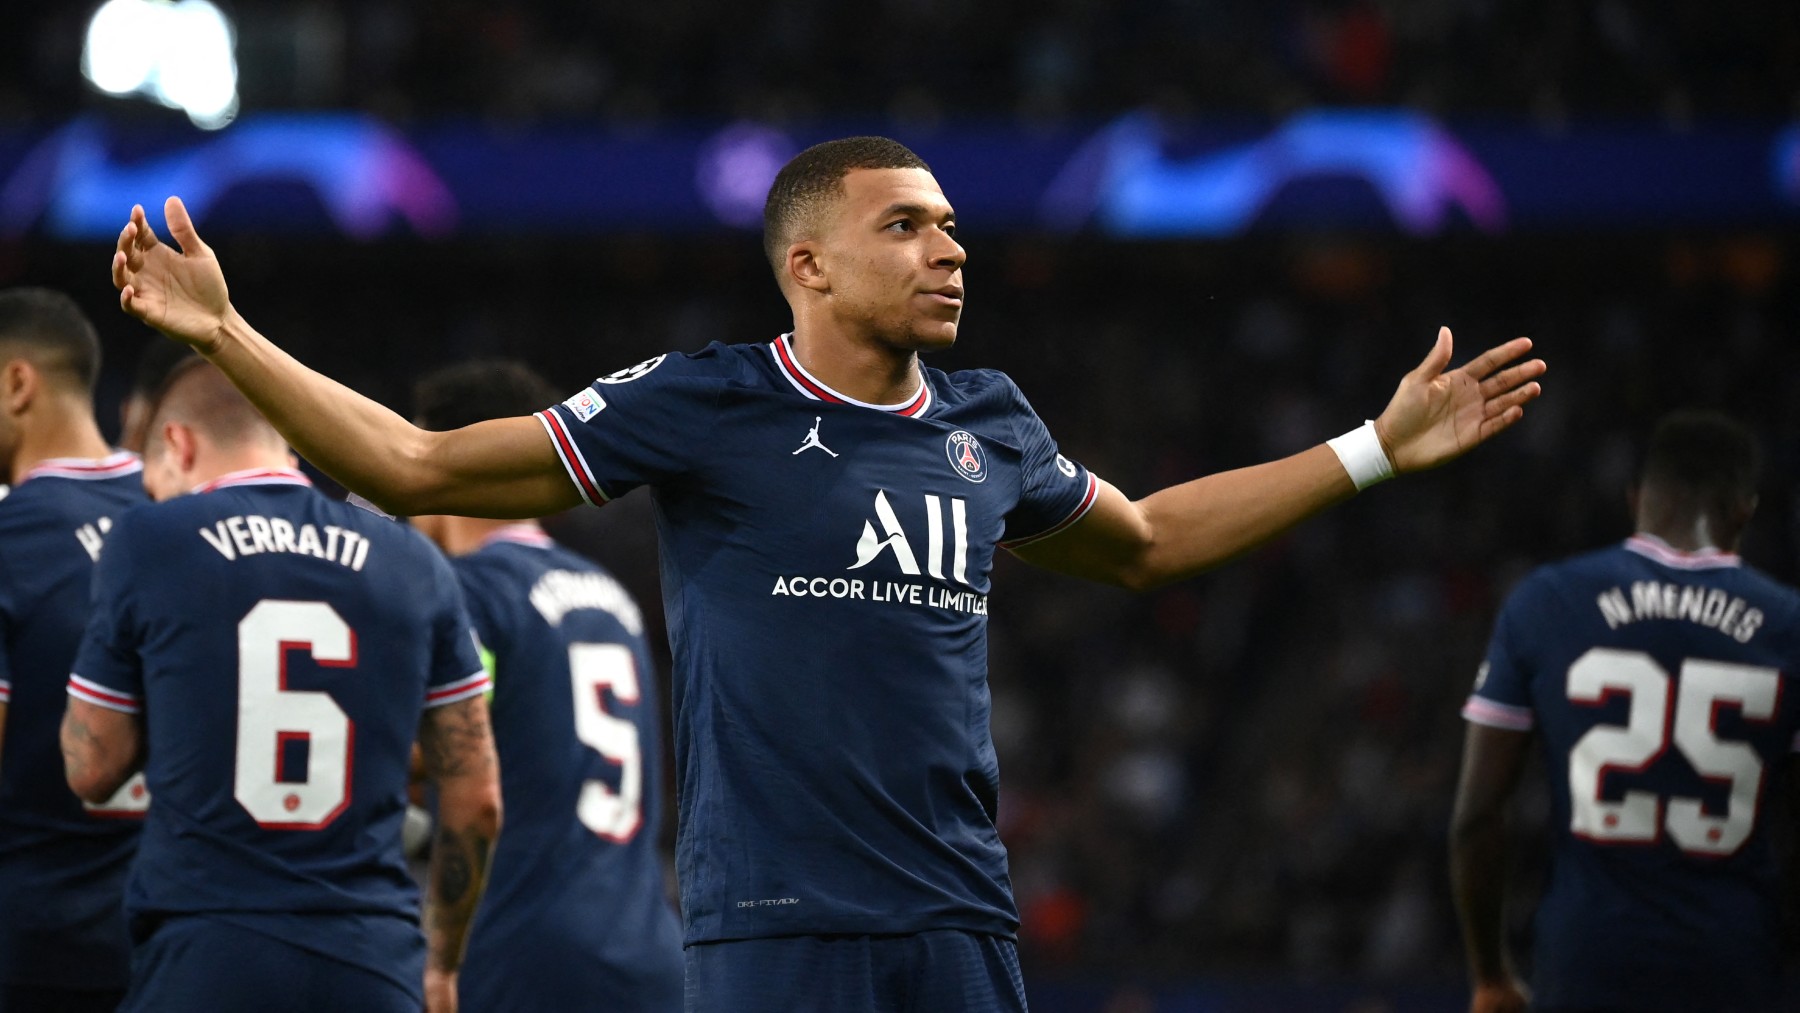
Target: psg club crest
<point>966,456</point>
<point>631,373</point>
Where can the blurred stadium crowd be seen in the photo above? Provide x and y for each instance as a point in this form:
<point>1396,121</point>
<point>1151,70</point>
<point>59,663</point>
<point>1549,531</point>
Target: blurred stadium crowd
<point>922,60</point>
<point>1250,772</point>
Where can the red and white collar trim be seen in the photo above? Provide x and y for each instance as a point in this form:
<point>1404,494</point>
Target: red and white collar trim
<point>255,476</point>
<point>789,365</point>
<point>1652,547</point>
<point>85,469</point>
<point>521,534</point>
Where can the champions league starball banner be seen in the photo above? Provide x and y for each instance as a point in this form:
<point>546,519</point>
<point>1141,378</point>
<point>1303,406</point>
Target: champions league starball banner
<point>1136,177</point>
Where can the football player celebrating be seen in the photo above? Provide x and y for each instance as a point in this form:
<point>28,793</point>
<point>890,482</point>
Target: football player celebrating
<point>273,654</point>
<point>63,944</point>
<point>1655,676</point>
<point>829,510</point>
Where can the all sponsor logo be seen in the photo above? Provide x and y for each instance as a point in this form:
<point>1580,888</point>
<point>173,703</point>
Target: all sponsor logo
<point>586,404</point>
<point>631,373</point>
<point>966,456</point>
<point>892,539</point>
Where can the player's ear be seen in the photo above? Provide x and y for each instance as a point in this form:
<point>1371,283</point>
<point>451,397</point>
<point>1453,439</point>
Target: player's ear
<point>19,381</point>
<point>805,268</point>
<point>182,447</point>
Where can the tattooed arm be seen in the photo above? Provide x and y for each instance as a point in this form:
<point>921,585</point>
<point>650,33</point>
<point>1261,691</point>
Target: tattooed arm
<point>101,749</point>
<point>458,749</point>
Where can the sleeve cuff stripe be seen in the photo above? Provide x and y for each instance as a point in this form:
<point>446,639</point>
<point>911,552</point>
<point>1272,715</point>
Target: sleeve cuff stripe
<point>454,692</point>
<point>1080,511</point>
<point>83,689</point>
<point>1482,711</point>
<point>571,458</point>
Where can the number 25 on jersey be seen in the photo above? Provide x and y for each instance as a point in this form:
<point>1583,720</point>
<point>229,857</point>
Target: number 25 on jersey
<point>1705,687</point>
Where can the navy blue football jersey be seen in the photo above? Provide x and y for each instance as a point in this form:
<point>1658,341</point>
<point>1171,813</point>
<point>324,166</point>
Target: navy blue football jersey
<point>825,578</point>
<point>575,915</point>
<point>62,863</point>
<point>281,647</point>
<point>1661,684</point>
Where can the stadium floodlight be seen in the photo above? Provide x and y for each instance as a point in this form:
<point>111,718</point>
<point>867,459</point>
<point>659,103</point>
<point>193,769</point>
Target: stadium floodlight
<point>181,54</point>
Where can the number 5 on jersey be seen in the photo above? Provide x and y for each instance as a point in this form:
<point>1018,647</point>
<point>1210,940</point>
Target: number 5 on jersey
<point>1638,817</point>
<point>594,668</point>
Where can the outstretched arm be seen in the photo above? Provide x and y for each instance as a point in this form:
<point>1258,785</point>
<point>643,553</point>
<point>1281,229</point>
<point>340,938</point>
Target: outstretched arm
<point>504,468</point>
<point>1492,759</point>
<point>457,746</point>
<point>1434,417</point>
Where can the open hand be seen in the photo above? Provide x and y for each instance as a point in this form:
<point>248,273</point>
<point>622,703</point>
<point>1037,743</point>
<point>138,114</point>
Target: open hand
<point>1437,416</point>
<point>179,290</point>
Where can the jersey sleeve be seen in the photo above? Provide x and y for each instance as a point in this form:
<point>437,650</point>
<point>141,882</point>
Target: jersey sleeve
<point>108,670</point>
<point>1502,696</point>
<point>457,673</point>
<point>1056,491</point>
<point>639,426</point>
<point>484,615</point>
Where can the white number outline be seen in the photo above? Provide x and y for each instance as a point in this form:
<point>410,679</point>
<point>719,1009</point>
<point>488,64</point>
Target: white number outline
<point>1703,687</point>
<point>130,802</point>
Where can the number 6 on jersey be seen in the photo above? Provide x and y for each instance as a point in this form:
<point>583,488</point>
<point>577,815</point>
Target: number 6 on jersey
<point>271,716</point>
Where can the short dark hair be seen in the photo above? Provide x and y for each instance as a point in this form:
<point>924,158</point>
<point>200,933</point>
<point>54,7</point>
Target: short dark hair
<point>48,328</point>
<point>198,394</point>
<point>814,178</point>
<point>477,391</point>
<point>155,364</point>
<point>1702,462</point>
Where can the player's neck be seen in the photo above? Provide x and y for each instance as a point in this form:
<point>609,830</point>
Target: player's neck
<point>1699,536</point>
<point>217,462</point>
<point>66,433</point>
<point>864,369</point>
<point>463,535</point>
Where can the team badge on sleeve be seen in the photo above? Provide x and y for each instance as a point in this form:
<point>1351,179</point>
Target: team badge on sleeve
<point>966,456</point>
<point>631,373</point>
<point>586,404</point>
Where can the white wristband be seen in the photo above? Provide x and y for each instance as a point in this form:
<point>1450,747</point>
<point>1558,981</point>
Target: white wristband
<point>1359,450</point>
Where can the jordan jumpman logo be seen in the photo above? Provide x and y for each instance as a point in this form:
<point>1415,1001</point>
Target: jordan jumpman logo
<point>812,438</point>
